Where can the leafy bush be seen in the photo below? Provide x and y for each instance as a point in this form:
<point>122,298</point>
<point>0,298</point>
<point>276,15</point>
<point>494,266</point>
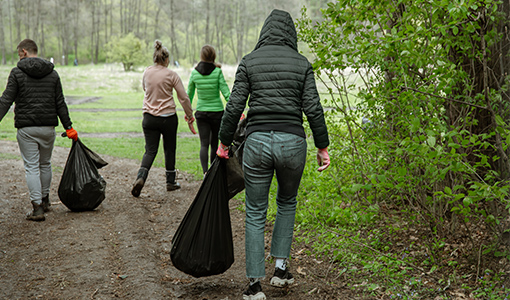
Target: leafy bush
<point>417,112</point>
<point>128,50</point>
<point>424,144</point>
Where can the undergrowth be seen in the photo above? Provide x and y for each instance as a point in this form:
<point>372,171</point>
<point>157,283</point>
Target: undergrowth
<point>386,252</point>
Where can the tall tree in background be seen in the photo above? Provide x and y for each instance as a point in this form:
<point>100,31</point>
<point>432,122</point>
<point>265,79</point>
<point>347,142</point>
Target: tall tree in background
<point>430,81</point>
<point>76,27</point>
<point>82,28</point>
<point>18,14</point>
<point>64,15</point>
<point>2,36</point>
<point>488,70</point>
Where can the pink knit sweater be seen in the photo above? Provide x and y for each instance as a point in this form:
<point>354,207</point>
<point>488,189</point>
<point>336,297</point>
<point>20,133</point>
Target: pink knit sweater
<point>158,83</point>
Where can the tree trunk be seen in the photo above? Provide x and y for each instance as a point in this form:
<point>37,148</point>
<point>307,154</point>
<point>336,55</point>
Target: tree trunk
<point>75,27</point>
<point>111,17</point>
<point>62,11</point>
<point>122,31</point>
<point>240,30</point>
<point>2,37</point>
<point>174,51</point>
<point>487,72</point>
<point>10,31</point>
<point>145,33</point>
<point>92,32</point>
<point>43,42</point>
<point>98,28</point>
<point>156,23</point>
<point>17,18</point>
<point>207,18</point>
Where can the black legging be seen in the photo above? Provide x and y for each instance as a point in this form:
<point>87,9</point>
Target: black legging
<point>153,128</point>
<point>208,124</point>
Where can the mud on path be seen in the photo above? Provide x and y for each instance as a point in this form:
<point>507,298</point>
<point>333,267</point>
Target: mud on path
<point>122,249</point>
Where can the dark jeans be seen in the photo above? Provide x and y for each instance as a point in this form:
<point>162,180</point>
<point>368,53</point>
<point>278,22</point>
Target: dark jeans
<point>208,124</point>
<point>153,128</point>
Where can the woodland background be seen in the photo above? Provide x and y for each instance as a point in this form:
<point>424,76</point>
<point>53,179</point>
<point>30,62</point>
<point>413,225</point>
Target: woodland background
<point>82,29</point>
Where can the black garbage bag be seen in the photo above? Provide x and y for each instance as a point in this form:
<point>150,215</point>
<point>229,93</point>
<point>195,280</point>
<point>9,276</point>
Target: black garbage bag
<point>82,187</point>
<point>202,245</point>
<point>235,175</point>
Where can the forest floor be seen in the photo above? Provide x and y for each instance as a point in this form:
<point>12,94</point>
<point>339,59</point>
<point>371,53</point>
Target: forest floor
<point>121,250</point>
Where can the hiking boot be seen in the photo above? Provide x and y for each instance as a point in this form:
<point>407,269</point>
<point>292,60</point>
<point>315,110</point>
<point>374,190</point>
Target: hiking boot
<point>254,292</point>
<point>172,186</point>
<point>46,203</point>
<point>281,278</point>
<point>171,183</point>
<point>37,214</point>
<point>139,182</point>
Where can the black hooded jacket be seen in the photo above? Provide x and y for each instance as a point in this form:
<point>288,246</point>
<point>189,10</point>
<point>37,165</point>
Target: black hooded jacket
<point>36,89</point>
<point>279,85</point>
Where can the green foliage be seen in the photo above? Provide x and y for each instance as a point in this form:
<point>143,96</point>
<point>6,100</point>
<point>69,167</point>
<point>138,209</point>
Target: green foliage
<point>413,127</point>
<point>414,149</point>
<point>128,50</point>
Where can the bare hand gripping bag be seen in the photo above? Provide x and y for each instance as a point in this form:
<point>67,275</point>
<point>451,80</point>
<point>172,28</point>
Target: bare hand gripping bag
<point>82,188</point>
<point>202,245</point>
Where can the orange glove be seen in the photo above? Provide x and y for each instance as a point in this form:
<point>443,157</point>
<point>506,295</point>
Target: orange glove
<point>322,159</point>
<point>72,134</point>
<point>222,151</point>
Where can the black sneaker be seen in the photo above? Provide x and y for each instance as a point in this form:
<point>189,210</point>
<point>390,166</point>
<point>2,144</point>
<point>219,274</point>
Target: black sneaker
<point>282,278</point>
<point>254,292</point>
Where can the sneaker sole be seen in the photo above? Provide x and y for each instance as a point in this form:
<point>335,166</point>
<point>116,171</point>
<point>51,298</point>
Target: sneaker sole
<point>36,218</point>
<point>257,296</point>
<point>169,189</point>
<point>278,282</point>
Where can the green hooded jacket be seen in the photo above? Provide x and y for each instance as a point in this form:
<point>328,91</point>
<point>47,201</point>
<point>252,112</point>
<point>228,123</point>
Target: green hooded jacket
<point>208,81</point>
<point>279,85</point>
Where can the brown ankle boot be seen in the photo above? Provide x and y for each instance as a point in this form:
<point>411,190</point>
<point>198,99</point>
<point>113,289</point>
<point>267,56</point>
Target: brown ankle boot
<point>171,183</point>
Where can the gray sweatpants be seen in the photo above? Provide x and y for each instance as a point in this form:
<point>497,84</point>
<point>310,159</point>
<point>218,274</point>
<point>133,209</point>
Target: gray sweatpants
<point>36,147</point>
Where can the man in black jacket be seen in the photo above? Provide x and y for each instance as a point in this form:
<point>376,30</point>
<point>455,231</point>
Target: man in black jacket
<point>279,85</point>
<point>36,89</point>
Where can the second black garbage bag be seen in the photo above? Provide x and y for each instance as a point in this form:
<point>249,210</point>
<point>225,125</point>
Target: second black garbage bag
<point>82,188</point>
<point>235,176</point>
<point>202,245</point>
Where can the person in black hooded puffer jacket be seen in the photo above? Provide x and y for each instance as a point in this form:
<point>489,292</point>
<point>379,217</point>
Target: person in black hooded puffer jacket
<point>279,85</point>
<point>36,89</point>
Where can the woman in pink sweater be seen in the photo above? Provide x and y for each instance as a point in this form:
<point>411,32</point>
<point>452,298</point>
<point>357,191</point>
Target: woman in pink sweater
<point>160,118</point>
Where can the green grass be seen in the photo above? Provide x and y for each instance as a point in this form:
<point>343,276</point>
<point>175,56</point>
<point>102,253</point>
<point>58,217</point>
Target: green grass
<point>118,111</point>
<point>6,156</point>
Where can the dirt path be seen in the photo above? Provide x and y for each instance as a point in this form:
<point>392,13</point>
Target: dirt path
<point>122,249</point>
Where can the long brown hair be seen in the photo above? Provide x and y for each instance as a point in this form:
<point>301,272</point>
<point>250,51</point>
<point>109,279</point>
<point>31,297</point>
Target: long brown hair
<point>208,54</point>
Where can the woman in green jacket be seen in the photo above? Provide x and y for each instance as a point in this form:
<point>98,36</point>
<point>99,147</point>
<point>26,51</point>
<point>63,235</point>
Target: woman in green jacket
<point>208,80</point>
